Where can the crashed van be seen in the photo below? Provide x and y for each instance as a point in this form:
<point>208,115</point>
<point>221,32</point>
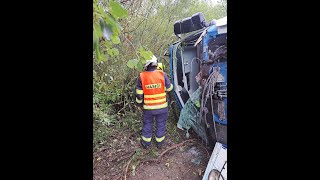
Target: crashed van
<point>198,70</point>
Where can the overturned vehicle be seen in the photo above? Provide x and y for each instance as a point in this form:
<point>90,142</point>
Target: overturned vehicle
<point>198,68</point>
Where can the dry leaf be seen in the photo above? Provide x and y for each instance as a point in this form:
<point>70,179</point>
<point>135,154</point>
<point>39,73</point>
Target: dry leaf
<point>167,164</point>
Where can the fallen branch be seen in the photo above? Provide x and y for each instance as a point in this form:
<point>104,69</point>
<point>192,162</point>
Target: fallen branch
<point>171,148</point>
<point>124,157</point>
<point>175,146</point>
<point>125,173</point>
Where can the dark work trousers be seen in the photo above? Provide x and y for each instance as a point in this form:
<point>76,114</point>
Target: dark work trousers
<point>161,117</point>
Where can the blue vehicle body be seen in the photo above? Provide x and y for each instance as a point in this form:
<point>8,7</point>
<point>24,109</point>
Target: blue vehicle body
<point>196,55</point>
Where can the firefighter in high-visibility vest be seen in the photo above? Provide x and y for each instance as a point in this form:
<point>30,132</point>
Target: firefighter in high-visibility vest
<point>151,89</point>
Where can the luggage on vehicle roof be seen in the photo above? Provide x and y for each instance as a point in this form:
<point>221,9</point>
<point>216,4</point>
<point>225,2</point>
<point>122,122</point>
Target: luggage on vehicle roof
<point>195,22</point>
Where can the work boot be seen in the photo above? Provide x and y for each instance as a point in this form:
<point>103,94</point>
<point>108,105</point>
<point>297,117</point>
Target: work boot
<point>145,144</point>
<point>159,145</point>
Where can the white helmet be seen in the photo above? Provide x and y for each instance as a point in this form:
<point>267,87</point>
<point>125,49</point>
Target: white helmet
<point>153,62</point>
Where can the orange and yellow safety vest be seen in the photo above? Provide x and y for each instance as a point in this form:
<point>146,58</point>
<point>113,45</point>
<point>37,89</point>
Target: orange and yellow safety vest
<point>153,86</point>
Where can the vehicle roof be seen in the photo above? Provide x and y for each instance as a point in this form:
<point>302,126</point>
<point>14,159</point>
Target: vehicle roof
<point>222,25</point>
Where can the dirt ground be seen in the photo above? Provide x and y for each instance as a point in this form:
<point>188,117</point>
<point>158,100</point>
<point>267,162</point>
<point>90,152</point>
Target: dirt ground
<point>187,161</point>
<point>182,163</point>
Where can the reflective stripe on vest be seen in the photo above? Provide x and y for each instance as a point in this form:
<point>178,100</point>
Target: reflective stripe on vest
<point>153,89</point>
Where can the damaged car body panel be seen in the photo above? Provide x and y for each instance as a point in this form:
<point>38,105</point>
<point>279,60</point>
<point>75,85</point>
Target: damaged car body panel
<point>198,68</point>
